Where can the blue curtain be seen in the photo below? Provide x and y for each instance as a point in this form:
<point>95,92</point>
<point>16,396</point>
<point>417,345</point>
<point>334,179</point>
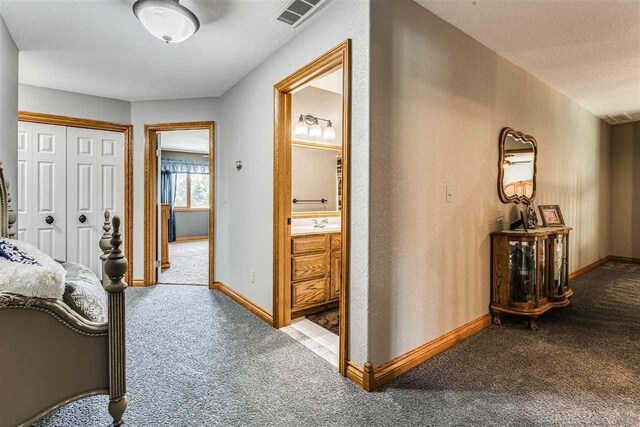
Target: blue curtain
<point>168,195</point>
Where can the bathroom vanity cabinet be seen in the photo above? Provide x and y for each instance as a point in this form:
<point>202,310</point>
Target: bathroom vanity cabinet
<point>315,272</point>
<point>530,272</point>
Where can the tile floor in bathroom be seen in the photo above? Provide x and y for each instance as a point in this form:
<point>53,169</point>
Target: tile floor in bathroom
<point>317,339</point>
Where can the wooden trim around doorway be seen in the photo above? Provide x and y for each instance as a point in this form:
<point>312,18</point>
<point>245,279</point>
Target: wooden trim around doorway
<point>50,119</point>
<point>150,179</point>
<point>339,57</point>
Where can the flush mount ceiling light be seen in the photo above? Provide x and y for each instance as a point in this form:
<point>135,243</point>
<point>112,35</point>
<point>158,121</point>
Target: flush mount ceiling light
<point>167,20</point>
<point>316,131</point>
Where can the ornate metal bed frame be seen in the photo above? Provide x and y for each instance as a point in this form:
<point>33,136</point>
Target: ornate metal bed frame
<point>51,356</point>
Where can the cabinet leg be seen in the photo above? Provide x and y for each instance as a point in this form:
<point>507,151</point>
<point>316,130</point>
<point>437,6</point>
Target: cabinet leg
<point>497,318</point>
<point>532,323</point>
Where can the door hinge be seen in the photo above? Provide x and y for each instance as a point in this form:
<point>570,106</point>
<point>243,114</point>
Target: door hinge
<point>157,152</point>
<point>288,221</point>
<point>156,263</point>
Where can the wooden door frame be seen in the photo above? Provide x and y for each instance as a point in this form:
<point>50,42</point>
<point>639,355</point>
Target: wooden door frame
<point>338,57</point>
<point>150,208</point>
<point>127,129</point>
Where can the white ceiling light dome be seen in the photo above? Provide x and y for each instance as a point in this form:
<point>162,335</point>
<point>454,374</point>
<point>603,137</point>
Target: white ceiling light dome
<point>167,20</point>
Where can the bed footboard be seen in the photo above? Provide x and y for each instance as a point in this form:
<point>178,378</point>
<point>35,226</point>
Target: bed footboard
<point>115,267</point>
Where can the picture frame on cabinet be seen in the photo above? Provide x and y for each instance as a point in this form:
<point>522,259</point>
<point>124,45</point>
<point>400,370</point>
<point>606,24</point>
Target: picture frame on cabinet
<point>551,216</point>
<point>531,216</point>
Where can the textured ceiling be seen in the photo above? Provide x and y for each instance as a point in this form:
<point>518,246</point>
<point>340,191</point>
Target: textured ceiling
<point>98,47</point>
<point>588,50</point>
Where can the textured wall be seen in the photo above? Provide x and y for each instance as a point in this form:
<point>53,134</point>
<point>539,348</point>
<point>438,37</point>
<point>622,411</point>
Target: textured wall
<point>438,102</point>
<point>244,222</point>
<point>625,190</point>
<point>8,107</point>
<point>62,103</point>
<point>153,112</point>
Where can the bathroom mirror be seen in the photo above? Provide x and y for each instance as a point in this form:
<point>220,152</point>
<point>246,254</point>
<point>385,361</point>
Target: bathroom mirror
<point>315,180</point>
<point>517,167</point>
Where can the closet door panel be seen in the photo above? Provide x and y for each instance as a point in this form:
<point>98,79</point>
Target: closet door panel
<point>42,187</point>
<point>96,184</point>
<point>83,222</point>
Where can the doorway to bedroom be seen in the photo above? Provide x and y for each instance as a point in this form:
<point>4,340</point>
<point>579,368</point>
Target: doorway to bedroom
<point>179,176</point>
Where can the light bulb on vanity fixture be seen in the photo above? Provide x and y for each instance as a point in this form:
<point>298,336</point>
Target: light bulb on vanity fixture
<point>308,125</point>
<point>167,20</point>
<point>329,132</point>
<point>301,127</point>
<point>316,130</point>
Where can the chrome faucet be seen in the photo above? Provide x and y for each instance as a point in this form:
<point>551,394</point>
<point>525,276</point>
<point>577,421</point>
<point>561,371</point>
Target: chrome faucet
<point>320,224</point>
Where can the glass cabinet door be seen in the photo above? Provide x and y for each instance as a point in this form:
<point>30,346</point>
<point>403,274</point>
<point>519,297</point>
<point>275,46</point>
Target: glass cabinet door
<point>542,272</point>
<point>522,271</point>
<point>559,267</point>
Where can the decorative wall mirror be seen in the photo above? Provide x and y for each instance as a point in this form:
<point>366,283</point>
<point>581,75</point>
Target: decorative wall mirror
<point>316,175</point>
<point>517,167</point>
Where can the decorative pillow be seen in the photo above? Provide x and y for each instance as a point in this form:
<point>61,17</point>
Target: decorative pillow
<point>42,280</point>
<point>84,294</point>
<point>11,252</point>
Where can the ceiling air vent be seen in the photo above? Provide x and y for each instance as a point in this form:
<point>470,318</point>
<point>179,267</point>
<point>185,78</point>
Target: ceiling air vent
<point>295,12</point>
<point>617,118</point>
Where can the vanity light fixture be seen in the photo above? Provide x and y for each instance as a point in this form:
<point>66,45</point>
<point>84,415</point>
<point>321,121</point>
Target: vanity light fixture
<point>308,125</point>
<point>167,20</point>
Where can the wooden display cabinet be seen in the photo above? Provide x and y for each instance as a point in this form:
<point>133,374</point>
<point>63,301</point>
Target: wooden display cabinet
<point>529,272</point>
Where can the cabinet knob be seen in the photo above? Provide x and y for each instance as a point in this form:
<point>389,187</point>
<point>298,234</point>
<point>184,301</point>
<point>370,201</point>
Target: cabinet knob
<point>49,219</point>
<point>82,219</point>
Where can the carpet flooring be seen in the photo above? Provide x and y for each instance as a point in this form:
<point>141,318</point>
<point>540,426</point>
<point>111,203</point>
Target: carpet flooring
<point>189,264</point>
<point>195,358</point>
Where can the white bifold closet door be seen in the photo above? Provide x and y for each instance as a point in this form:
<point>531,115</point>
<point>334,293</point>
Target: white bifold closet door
<point>67,178</point>
<point>41,194</point>
<point>95,183</point>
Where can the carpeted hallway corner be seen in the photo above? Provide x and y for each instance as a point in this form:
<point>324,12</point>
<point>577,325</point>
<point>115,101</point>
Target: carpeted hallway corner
<point>197,359</point>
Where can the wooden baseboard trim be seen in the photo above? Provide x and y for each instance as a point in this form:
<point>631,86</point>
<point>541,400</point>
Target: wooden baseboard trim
<point>369,378</point>
<point>138,283</point>
<point>244,302</point>
<point>589,268</point>
<point>190,239</point>
<point>624,259</point>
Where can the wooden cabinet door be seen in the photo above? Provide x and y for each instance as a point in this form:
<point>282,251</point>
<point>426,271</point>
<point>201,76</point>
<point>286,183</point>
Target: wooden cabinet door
<point>336,275</point>
<point>309,244</point>
<point>309,293</point>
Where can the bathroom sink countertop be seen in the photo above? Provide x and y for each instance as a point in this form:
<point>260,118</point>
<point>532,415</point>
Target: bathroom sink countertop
<point>301,231</point>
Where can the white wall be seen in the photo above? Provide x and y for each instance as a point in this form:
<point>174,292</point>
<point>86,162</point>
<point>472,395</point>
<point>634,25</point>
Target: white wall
<point>154,112</point>
<point>8,107</point>
<point>62,103</point>
<point>244,221</point>
<point>438,102</point>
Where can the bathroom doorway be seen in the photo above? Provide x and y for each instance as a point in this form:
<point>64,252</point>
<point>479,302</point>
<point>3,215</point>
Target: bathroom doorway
<point>311,205</point>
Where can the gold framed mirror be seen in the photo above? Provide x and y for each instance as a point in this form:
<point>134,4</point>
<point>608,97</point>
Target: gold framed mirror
<point>517,167</point>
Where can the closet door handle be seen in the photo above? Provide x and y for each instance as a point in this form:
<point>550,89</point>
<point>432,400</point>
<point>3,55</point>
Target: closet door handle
<point>82,219</point>
<point>49,219</point>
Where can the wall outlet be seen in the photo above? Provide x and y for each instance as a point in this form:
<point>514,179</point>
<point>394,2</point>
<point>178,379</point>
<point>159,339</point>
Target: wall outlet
<point>253,276</point>
<point>449,196</point>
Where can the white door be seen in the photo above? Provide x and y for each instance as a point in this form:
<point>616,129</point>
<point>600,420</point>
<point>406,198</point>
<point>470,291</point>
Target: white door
<point>95,180</point>
<point>41,189</point>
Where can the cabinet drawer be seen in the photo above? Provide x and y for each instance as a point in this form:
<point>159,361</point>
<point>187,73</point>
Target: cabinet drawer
<point>309,244</point>
<point>309,266</point>
<point>336,242</point>
<point>309,293</point>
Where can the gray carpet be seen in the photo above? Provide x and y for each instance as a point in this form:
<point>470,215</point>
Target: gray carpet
<point>198,359</point>
<point>189,263</point>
